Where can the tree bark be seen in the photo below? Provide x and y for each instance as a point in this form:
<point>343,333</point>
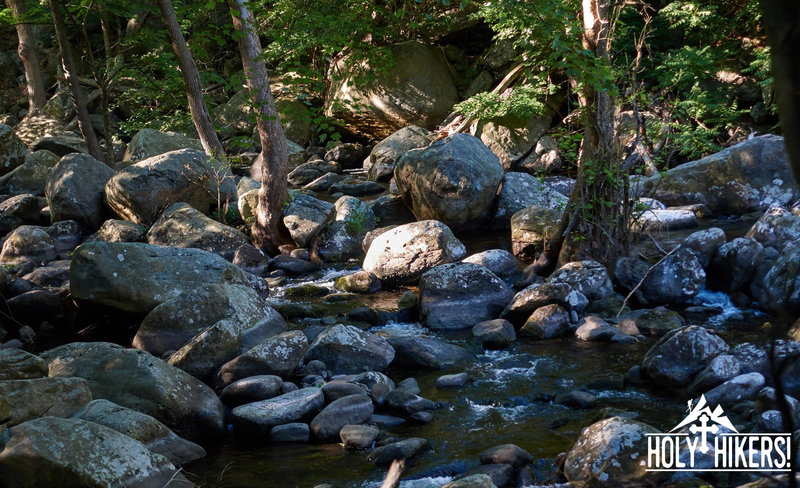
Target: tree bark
<point>191,78</point>
<point>30,59</point>
<point>73,82</point>
<point>782,20</point>
<point>268,232</point>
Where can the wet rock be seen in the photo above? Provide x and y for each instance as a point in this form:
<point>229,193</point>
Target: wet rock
<point>735,390</point>
<point>720,369</point>
<point>587,277</point>
<point>26,208</point>
<point>459,295</point>
<point>677,357</point>
<point>149,142</point>
<point>278,355</point>
<point>520,191</point>
<point>734,264</point>
<point>674,280</point>
<point>292,432</point>
<point>577,399</point>
<point>28,243</point>
<point>255,420</point>
<point>454,180</point>
<point>310,171</point>
<point>664,220</point>
<point>610,453</point>
<point>500,262</point>
<point>417,89</point>
<point>70,452</point>
<point>358,282</point>
<point>539,295</point>
<point>452,380</point>
<point>390,210</point>
<point>356,188</point>
<point>120,231</point>
<point>342,239</point>
<point>348,350</point>
<point>406,403</point>
<point>251,389</point>
<point>547,322</point>
<point>472,481</point>
<point>172,324</point>
<point>506,454</point>
<point>153,434</point>
<point>358,436</point>
<point>75,189</point>
<point>384,156</point>
<point>137,380</point>
<point>776,228</point>
<point>337,389</point>
<point>494,334</point>
<point>183,226</point>
<point>593,328</point>
<point>291,265</point>
<point>531,227</point>
<point>428,353</point>
<point>306,216</point>
<point>16,364</point>
<point>138,277</point>
<point>404,253</point>
<point>780,288</point>
<point>656,322</point>
<point>743,178</point>
<point>500,474</point>
<point>32,398</point>
<point>140,191</point>
<point>405,449</point>
<point>352,409</point>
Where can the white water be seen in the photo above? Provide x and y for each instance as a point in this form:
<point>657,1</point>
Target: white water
<point>721,301</point>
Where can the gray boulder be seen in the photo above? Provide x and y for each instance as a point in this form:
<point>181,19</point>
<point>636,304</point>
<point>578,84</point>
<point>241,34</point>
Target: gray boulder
<point>28,243</point>
<point>521,190</point>
<point>780,289</point>
<point>428,353</point>
<point>499,261</point>
<point>704,243</point>
<point>138,277</point>
<point>50,452</point>
<point>345,349</point>
<point>342,240</point>
<point>494,334</point>
<point>776,228</point>
<point>279,355</point>
<point>183,226</point>
<point>403,254</point>
<point>75,188</point>
<point>539,295</point>
<point>12,150</point>
<point>734,264</point>
<point>16,364</point>
<point>149,142</point>
<point>719,370</point>
<point>351,409</point>
<point>547,322</point>
<point>590,278</point>
<point>31,176</point>
<point>33,398</point>
<point>120,231</point>
<point>531,227</point>
<point>459,295</point>
<point>453,180</point>
<point>141,191</point>
<point>677,357</point>
<point>737,389</point>
<point>251,389</point>
<point>384,156</point>
<point>153,434</point>
<point>306,216</point>
<point>405,449</point>
<point>139,381</point>
<point>255,420</point>
<point>359,436</point>
<point>674,280</point>
<point>390,210</point>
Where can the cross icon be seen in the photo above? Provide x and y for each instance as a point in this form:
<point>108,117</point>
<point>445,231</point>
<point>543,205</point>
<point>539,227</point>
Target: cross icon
<point>704,429</point>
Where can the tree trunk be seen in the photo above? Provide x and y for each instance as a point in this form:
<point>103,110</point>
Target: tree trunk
<point>30,59</point>
<point>782,20</point>
<point>596,204</point>
<point>191,78</point>
<point>73,82</point>
<point>268,231</point>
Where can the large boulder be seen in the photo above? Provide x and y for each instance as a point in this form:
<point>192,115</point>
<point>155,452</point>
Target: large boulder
<point>16,364</point>
<point>498,261</point>
<point>704,243</point>
<point>610,453</point>
<point>141,191</point>
<point>53,452</point>
<point>459,295</point>
<point>183,226</point>
<point>677,357</point>
<point>417,89</point>
<point>780,289</point>
<point>589,277</point>
<point>306,216</point>
<point>153,434</point>
<point>384,156</point>
<point>747,177</point>
<point>255,420</point>
<point>28,243</point>
<point>32,398</point>
<point>278,355</point>
<point>346,349</point>
<point>428,353</point>
<point>137,277</point>
<point>453,180</point>
<point>512,138</point>
<point>75,189</point>
<point>674,280</point>
<point>403,254</point>
<point>539,295</point>
<point>521,190</point>
<point>776,228</point>
<point>531,228</point>
<point>342,240</point>
<point>175,322</point>
<point>348,410</point>
<point>12,150</point>
<point>149,142</point>
<point>734,264</point>
<point>139,381</point>
<point>31,176</point>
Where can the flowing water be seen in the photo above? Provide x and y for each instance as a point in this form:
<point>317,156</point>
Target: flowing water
<point>510,400</point>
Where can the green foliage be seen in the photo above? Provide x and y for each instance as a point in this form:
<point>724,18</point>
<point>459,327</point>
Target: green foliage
<point>523,103</point>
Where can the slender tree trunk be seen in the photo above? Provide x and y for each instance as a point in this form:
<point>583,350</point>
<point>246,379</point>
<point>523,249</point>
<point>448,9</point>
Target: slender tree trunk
<point>588,208</point>
<point>30,59</point>
<point>75,88</point>
<point>191,78</point>
<point>267,230</point>
<point>782,20</point>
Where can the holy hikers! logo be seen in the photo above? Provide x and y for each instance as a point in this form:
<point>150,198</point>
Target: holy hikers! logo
<point>707,441</point>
